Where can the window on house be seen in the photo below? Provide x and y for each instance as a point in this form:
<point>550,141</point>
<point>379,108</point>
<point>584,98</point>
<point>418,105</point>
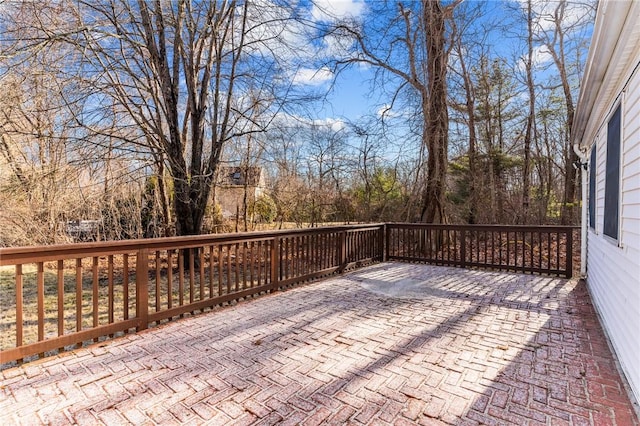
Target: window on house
<point>592,188</point>
<point>612,176</point>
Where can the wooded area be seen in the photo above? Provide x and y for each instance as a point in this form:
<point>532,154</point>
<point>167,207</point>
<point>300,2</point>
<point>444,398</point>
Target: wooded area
<point>122,114</point>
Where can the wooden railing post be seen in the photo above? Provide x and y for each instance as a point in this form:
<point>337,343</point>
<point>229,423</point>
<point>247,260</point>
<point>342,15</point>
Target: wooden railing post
<point>342,250</point>
<point>275,263</point>
<point>142,288</point>
<point>569,251</point>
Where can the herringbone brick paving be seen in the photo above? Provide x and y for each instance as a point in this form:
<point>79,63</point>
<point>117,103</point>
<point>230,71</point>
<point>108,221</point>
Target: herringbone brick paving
<point>388,344</point>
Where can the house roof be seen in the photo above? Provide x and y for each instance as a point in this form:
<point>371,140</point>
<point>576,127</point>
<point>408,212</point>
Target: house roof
<point>613,56</point>
<point>239,176</point>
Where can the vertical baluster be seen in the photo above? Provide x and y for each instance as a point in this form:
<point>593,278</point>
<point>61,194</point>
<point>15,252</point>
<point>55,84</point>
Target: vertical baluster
<point>427,248</point>
<point>393,236</point>
<point>60,297</point>
<point>332,247</point>
<point>252,265</point>
<point>320,251</point>
<point>500,245</point>
<point>259,263</point>
<point>220,275</point>
<point>181,277</point>
<point>245,266</point>
<point>110,288</point>
<point>569,252</point>
<point>262,262</point>
<point>40,284</point>
<point>157,283</point>
<point>354,250</point>
<point>524,246</point>
<point>79,296</point>
<point>548,250</point>
<point>236,265</point>
<point>192,274</point>
<point>296,256</point>
<point>313,248</point>
<point>348,247</point>
<point>303,254</point>
<point>493,248</point>
<point>95,295</point>
<point>308,249</point>
<point>125,285</point>
<point>228,268</point>
<point>559,239</point>
<point>486,247</point>
<point>509,251</point>
<point>211,275</point>
<point>169,279</point>
<point>540,249</point>
<point>19,306</point>
<point>531,249</point>
<point>286,258</point>
<point>201,274</point>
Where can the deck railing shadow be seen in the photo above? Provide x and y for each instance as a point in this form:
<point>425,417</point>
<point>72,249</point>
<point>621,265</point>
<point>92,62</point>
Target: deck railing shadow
<point>529,349</point>
<point>58,297</point>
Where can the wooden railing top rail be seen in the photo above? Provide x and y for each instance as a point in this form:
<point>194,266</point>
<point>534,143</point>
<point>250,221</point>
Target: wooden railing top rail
<point>32,254</point>
<point>117,286</point>
<point>481,227</point>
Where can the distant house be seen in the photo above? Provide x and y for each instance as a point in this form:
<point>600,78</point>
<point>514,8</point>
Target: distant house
<point>231,185</point>
<point>83,230</point>
<point>606,132</point>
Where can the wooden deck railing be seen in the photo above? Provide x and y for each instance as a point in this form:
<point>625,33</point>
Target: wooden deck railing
<point>57,297</point>
<point>529,249</point>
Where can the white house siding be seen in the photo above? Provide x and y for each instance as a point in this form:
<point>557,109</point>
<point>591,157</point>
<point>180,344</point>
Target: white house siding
<point>613,270</point>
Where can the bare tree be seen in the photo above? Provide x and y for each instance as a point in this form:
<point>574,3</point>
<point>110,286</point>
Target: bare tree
<point>414,49</point>
<point>175,72</point>
<point>565,26</point>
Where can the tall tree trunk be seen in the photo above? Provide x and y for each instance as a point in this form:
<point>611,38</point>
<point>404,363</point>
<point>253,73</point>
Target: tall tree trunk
<point>528,136</point>
<point>473,139</point>
<point>567,214</point>
<point>436,116</point>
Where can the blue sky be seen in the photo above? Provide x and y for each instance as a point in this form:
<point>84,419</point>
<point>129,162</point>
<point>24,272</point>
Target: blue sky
<point>353,95</point>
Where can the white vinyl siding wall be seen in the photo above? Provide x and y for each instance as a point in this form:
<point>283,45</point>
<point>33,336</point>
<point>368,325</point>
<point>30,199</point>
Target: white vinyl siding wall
<point>613,272</point>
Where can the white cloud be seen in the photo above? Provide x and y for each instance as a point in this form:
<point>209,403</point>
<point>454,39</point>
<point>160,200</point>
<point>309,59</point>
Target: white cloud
<point>334,124</point>
<point>544,11</point>
<point>272,32</point>
<point>312,77</point>
<point>336,46</point>
<point>331,10</point>
<point>541,58</point>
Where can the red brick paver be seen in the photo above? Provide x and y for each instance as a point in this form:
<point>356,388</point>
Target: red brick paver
<point>388,344</point>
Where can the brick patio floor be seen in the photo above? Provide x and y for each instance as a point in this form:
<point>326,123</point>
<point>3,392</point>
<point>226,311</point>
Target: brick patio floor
<point>388,344</point>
